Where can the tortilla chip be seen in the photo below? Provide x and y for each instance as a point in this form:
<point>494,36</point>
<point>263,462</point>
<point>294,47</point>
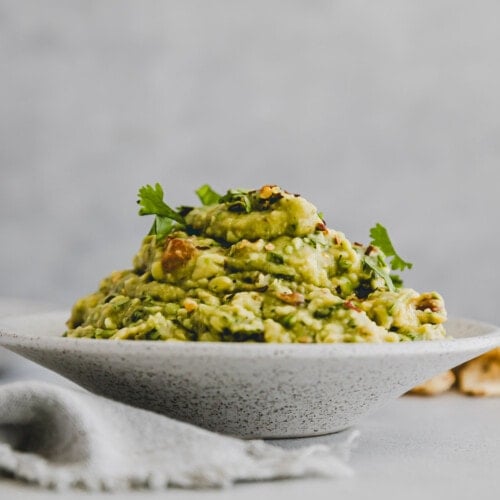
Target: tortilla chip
<point>436,385</point>
<point>481,376</point>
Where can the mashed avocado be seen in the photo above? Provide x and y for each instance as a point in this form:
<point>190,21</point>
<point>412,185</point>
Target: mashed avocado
<point>258,266</point>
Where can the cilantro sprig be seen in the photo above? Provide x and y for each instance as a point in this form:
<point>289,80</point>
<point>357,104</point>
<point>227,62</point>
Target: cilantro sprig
<point>151,203</point>
<point>380,238</point>
<point>207,195</point>
<point>238,200</point>
<point>377,265</point>
<point>167,219</point>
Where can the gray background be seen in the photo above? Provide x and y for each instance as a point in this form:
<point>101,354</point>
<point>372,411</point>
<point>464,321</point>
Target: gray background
<point>376,111</point>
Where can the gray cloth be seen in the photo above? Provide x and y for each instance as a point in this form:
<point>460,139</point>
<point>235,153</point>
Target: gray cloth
<point>58,437</point>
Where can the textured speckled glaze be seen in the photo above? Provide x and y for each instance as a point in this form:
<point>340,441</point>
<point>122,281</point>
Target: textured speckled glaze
<point>248,390</point>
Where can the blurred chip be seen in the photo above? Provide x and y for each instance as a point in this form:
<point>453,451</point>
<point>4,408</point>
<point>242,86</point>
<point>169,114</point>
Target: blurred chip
<point>481,376</point>
<point>436,385</point>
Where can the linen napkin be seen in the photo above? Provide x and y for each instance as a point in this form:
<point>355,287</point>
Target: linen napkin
<point>59,437</point>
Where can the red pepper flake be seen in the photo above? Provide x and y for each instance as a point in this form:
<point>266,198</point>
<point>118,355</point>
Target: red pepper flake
<point>268,191</point>
<point>321,226</point>
<point>357,244</point>
<point>349,305</point>
<point>369,249</point>
<point>336,239</point>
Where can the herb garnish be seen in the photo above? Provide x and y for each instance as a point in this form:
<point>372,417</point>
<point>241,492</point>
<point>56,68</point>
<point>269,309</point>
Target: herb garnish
<point>167,219</point>
<point>151,203</point>
<point>380,238</point>
<point>238,200</point>
<point>207,195</point>
<point>377,265</point>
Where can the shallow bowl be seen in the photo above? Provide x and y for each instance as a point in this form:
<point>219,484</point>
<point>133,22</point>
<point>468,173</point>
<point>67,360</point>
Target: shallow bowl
<point>247,390</point>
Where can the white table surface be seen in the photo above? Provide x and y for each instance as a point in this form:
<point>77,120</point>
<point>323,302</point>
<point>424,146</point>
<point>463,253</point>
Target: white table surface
<point>435,448</point>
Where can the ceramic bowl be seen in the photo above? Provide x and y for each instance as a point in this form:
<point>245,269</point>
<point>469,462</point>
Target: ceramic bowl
<point>247,390</point>
<point>9,307</point>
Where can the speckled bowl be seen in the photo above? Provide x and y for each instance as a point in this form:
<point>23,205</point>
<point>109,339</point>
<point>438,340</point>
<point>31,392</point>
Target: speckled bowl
<point>249,390</point>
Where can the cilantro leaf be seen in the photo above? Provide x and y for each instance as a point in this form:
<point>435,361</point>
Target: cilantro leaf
<point>378,269</point>
<point>239,200</point>
<point>380,238</point>
<point>207,195</point>
<point>396,279</point>
<point>151,203</point>
<point>162,226</point>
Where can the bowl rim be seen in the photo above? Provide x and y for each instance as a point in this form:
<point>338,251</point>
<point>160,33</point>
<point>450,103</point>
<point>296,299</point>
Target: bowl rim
<point>9,338</point>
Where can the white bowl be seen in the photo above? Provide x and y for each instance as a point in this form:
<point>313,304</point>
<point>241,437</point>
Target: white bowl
<point>10,306</point>
<point>248,390</point>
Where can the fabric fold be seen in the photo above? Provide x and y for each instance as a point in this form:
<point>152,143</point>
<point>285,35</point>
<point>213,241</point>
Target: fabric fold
<point>60,438</point>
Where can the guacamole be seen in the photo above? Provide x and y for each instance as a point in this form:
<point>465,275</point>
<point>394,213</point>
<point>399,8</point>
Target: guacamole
<point>254,266</point>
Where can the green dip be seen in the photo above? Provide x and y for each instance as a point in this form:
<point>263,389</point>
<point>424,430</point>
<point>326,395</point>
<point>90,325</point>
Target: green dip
<point>256,266</point>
